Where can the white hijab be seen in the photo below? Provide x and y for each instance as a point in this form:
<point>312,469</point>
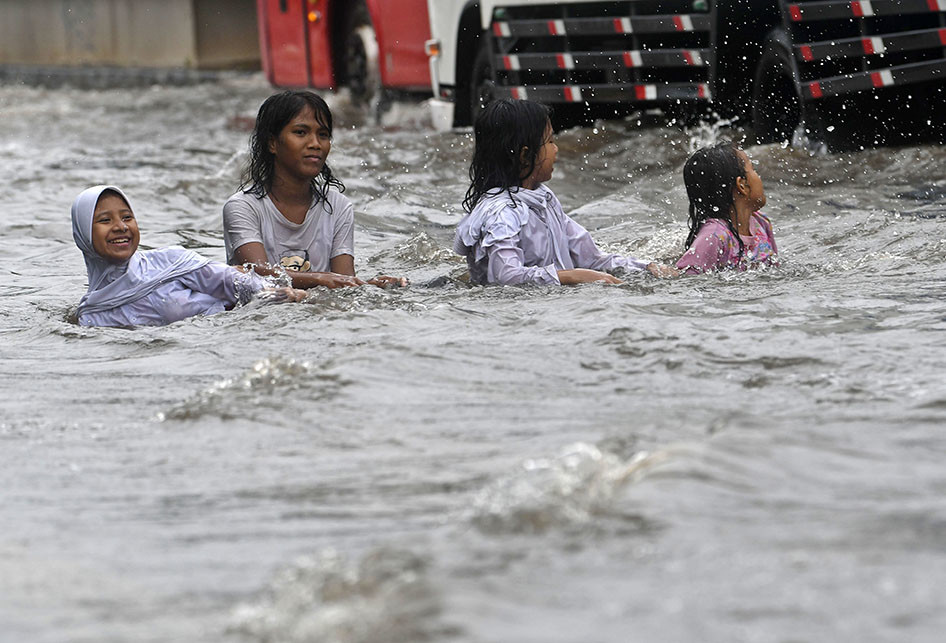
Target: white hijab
<point>113,285</point>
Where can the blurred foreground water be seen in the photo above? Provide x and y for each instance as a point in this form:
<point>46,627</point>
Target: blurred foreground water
<point>731,457</point>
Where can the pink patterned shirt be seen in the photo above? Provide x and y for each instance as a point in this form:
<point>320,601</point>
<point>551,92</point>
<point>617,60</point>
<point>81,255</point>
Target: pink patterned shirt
<point>715,247</point>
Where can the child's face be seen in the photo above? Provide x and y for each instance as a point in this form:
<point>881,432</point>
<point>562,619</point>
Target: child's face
<point>753,190</point>
<point>114,229</point>
<point>544,161</point>
<point>302,146</point>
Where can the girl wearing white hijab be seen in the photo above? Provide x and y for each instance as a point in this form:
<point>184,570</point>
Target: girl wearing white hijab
<point>151,287</point>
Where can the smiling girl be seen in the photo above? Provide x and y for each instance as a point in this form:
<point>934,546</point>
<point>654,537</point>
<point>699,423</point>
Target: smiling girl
<point>153,287</point>
<point>289,213</point>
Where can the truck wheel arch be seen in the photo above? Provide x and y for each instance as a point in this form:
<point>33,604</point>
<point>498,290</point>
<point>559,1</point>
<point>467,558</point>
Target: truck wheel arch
<point>341,15</point>
<point>778,106</point>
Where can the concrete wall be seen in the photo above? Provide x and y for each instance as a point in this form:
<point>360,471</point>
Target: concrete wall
<point>227,36</point>
<point>129,33</point>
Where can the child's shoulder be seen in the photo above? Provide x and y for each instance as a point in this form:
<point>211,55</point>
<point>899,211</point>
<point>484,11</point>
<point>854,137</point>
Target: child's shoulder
<point>245,198</point>
<point>714,230</point>
<point>336,199</point>
<point>763,222</point>
<point>496,216</point>
<point>171,254</point>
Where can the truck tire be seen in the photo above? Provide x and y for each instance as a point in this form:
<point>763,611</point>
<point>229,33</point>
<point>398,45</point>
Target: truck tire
<point>362,73</point>
<point>482,84</point>
<point>777,104</point>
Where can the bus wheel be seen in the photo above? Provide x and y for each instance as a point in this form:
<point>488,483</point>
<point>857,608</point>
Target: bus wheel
<point>482,83</point>
<point>777,108</point>
<point>361,56</point>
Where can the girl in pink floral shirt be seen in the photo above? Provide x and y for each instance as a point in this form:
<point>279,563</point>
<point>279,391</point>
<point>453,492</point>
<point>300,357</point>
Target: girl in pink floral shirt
<point>726,227</point>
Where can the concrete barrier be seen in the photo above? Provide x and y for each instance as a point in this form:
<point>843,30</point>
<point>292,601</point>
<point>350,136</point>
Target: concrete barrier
<point>184,34</point>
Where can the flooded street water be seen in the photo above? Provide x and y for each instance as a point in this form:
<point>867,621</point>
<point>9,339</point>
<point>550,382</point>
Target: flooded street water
<point>730,457</point>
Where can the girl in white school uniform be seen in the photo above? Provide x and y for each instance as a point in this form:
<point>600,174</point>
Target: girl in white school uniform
<point>515,231</point>
<point>128,287</point>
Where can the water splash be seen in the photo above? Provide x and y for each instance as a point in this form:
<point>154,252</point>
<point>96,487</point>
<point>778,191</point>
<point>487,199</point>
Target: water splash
<point>327,599</point>
<point>709,132</point>
<point>572,488</point>
<point>233,397</point>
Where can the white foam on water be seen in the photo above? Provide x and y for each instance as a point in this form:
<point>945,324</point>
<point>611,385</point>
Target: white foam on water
<point>327,598</point>
<point>264,378</point>
<point>571,488</point>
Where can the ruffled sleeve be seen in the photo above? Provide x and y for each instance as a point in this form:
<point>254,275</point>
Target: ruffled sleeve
<point>225,283</point>
<point>494,219</point>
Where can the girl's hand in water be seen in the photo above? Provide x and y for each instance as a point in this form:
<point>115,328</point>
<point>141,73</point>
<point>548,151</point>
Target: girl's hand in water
<point>283,295</point>
<point>384,281</point>
<point>585,276</point>
<point>329,279</point>
<point>662,271</point>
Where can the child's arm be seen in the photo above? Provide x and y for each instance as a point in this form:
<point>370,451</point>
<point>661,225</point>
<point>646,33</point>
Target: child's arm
<point>227,283</point>
<point>586,254</point>
<point>506,267</point>
<point>585,276</point>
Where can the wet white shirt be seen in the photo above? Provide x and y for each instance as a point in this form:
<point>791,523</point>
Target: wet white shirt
<point>207,290</point>
<point>327,231</point>
<point>525,237</point>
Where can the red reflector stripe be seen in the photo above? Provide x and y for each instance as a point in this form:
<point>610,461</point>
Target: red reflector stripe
<point>807,54</point>
<point>560,59</point>
<point>856,9</point>
<point>507,63</point>
<point>497,30</point>
<point>551,26</point>
<point>629,62</point>
<point>932,5</point>
<point>689,57</point>
<point>815,89</point>
<point>702,92</point>
<point>641,92</point>
<point>796,12</point>
<point>678,22</point>
<point>942,36</point>
<point>868,45</point>
<point>877,80</point>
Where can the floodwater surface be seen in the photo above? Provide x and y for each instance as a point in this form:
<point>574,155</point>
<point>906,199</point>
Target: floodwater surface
<point>731,457</point>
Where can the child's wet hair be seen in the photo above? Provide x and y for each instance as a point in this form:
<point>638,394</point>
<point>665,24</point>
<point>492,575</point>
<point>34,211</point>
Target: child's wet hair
<point>710,177</point>
<point>503,129</point>
<point>274,114</point>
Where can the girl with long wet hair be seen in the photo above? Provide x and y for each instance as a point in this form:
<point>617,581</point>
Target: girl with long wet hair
<point>726,227</point>
<point>289,214</point>
<point>515,231</point>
